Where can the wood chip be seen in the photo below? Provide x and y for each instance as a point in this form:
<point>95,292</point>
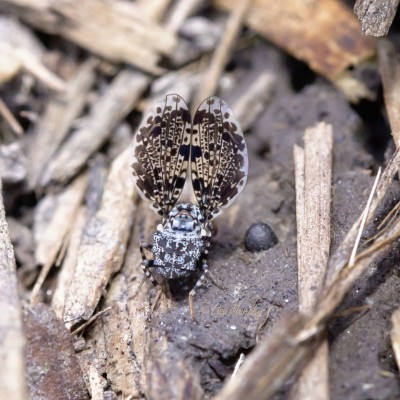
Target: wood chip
<point>56,122</point>
<point>325,34</point>
<point>389,65</point>
<point>376,16</point>
<point>106,114</point>
<point>103,243</point>
<point>12,339</point>
<point>313,167</point>
<point>116,30</point>
<point>395,335</point>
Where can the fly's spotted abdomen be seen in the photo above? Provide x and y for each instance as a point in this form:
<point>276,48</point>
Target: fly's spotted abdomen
<point>176,254</point>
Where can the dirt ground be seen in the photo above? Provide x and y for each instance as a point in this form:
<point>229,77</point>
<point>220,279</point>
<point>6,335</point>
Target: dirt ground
<point>143,343</point>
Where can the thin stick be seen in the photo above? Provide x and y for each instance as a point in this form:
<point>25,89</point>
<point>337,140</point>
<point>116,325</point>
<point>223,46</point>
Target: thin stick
<point>395,335</point>
<point>364,219</point>
<point>221,54</point>
<point>89,321</point>
<point>10,119</point>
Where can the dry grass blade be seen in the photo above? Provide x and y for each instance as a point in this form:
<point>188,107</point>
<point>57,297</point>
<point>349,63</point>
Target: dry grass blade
<point>222,52</point>
<point>10,119</point>
<point>12,340</point>
<point>313,200</point>
<point>376,16</point>
<point>297,337</point>
<point>395,335</point>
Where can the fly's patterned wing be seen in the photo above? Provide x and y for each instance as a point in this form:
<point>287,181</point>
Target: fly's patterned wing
<point>160,153</point>
<point>219,160</point>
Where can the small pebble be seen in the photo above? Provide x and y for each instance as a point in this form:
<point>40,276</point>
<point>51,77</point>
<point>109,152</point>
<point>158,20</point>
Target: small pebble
<point>259,237</point>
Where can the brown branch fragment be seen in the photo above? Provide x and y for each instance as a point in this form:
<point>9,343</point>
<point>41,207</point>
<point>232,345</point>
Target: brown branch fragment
<point>389,65</point>
<point>221,55</point>
<point>59,115</point>
<point>102,248</point>
<point>395,335</point>
<point>376,16</point>
<point>12,340</point>
<point>325,34</point>
<point>313,167</point>
<point>106,114</point>
<point>116,30</point>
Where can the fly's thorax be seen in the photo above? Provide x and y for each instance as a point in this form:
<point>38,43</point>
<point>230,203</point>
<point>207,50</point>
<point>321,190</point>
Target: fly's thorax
<point>184,218</point>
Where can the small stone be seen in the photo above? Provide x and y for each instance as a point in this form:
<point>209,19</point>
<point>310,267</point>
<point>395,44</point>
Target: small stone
<point>260,236</point>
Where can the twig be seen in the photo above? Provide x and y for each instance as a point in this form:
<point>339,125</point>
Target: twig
<point>10,119</point>
<point>180,11</point>
<point>222,53</point>
<point>89,321</point>
<point>364,219</point>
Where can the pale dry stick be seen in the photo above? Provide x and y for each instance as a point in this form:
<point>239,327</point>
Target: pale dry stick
<point>90,320</point>
<point>376,16</point>
<point>395,335</point>
<point>117,101</point>
<point>295,339</point>
<point>313,168</point>
<point>389,66</point>
<point>96,382</point>
<point>10,119</point>
<point>221,55</point>
<point>52,238</point>
<point>12,339</point>
<point>103,244</point>
<point>155,9</point>
<point>181,10</point>
<point>55,123</point>
<point>364,219</point>
<point>116,30</point>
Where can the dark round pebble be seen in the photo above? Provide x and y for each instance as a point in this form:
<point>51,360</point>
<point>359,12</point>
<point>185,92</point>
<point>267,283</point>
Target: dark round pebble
<point>259,237</point>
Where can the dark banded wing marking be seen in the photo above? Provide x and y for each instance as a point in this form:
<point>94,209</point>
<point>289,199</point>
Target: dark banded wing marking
<point>160,153</point>
<point>219,161</point>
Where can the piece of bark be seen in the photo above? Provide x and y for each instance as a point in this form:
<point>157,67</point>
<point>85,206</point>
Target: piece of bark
<point>13,163</point>
<point>118,100</point>
<point>325,34</point>
<point>59,115</point>
<point>12,339</point>
<point>389,64</point>
<point>20,49</point>
<point>54,218</point>
<point>313,167</point>
<point>155,9</point>
<point>395,336</point>
<point>376,16</point>
<point>103,243</point>
<point>221,55</point>
<point>52,367</point>
<point>117,30</point>
<point>297,337</point>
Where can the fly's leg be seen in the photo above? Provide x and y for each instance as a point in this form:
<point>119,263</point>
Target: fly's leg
<point>206,236</point>
<point>146,262</point>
